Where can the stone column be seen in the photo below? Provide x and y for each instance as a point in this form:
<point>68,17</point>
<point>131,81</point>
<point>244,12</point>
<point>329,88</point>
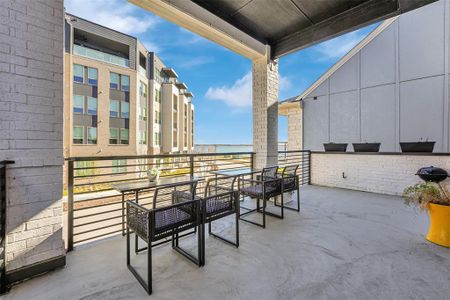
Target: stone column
<point>265,112</point>
<point>31,131</point>
<point>295,132</point>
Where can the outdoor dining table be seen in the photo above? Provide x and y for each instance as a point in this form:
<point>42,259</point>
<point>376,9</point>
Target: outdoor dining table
<point>143,185</point>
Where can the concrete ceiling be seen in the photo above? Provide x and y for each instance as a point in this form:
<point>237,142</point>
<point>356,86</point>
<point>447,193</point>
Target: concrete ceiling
<point>248,27</point>
<point>290,25</point>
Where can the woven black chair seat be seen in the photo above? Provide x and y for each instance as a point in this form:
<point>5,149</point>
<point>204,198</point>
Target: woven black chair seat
<point>214,206</point>
<point>257,190</point>
<point>171,218</point>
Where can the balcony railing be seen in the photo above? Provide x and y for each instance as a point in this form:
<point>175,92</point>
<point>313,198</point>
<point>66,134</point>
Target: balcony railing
<point>3,202</point>
<point>94,209</point>
<point>142,71</point>
<point>102,56</point>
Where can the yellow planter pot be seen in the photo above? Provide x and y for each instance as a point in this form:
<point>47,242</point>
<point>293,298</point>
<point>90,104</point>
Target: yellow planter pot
<point>439,231</point>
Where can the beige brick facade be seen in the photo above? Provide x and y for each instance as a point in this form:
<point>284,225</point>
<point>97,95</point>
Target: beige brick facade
<point>265,112</point>
<point>295,128</point>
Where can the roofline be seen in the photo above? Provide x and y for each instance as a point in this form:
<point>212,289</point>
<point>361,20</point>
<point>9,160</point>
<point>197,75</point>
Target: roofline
<point>380,28</point>
<point>69,14</point>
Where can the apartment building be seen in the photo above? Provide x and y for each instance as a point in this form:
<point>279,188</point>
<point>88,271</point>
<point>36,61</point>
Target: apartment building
<point>117,94</point>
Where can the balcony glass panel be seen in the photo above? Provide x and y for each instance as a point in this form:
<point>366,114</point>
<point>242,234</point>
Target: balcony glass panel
<point>142,71</point>
<point>98,55</point>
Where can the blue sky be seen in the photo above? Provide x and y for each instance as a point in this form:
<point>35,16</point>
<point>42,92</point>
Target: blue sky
<point>219,78</point>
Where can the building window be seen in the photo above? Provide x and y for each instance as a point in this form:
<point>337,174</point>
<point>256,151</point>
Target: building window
<point>78,134</point>
<point>124,136</point>
<point>143,114</point>
<point>92,106</point>
<point>119,166</point>
<point>157,117</point>
<point>87,168</point>
<point>113,136</point>
<point>125,110</point>
<point>114,81</point>
<point>78,73</point>
<point>143,137</point>
<point>142,89</point>
<point>92,135</point>
<point>78,104</point>
<point>157,96</point>
<point>92,76</point>
<point>157,138</point>
<point>113,108</point>
<point>125,83</point>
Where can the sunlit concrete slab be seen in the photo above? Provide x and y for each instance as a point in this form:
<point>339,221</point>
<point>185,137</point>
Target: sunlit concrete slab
<point>343,245</point>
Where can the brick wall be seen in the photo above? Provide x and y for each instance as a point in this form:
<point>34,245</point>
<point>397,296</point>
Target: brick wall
<point>386,174</point>
<point>31,127</point>
<point>295,130</point>
<point>265,112</point>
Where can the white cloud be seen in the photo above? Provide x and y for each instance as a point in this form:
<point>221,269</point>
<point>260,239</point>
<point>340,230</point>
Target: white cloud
<point>152,47</point>
<point>116,14</point>
<point>339,46</point>
<point>239,95</point>
<point>195,61</point>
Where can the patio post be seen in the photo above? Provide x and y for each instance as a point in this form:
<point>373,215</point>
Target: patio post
<point>265,111</point>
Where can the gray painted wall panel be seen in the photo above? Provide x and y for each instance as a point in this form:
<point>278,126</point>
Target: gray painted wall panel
<point>422,42</point>
<point>316,123</point>
<point>378,59</point>
<point>372,109</point>
<point>344,120</point>
<point>421,110</point>
<point>378,116</point>
<point>345,79</point>
<point>321,90</point>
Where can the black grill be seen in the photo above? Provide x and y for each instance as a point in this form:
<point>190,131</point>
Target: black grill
<point>432,174</point>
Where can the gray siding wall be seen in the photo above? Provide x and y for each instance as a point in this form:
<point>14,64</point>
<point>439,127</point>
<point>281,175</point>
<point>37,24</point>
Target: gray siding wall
<point>395,89</point>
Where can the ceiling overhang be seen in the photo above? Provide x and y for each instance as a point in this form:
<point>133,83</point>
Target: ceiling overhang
<point>247,27</point>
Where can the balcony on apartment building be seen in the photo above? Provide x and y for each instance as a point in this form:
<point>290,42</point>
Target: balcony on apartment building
<point>100,48</point>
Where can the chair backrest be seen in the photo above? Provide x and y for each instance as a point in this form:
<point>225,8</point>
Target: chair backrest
<point>269,172</point>
<point>219,185</point>
<point>163,196</point>
<point>290,170</point>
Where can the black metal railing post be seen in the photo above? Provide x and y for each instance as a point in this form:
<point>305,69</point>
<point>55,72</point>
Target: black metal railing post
<point>252,160</point>
<point>191,165</point>
<point>70,173</point>
<point>309,166</point>
<point>3,204</point>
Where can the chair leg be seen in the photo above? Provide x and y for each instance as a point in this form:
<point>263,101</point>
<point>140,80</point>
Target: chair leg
<point>196,260</point>
<point>298,199</point>
<point>146,285</point>
<point>236,243</point>
<point>149,270</point>
<point>264,212</point>
<point>128,245</point>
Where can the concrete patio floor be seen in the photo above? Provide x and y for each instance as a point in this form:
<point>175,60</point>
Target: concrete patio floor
<point>343,245</point>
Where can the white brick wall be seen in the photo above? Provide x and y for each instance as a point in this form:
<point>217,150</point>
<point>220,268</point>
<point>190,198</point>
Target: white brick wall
<point>31,126</point>
<point>295,130</point>
<point>265,112</point>
<point>386,174</point>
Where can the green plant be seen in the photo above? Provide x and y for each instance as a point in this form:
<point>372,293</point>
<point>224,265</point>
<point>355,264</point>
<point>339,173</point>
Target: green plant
<point>422,194</point>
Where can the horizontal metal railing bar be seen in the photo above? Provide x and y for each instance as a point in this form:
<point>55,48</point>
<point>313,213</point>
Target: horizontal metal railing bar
<point>130,165</point>
<point>95,229</point>
<point>125,173</point>
<point>90,158</point>
<point>96,214</point>
<point>98,221</point>
<point>98,236</point>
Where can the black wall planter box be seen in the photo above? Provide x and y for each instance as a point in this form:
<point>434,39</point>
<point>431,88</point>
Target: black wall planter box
<point>417,147</point>
<point>335,147</point>
<point>366,147</point>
